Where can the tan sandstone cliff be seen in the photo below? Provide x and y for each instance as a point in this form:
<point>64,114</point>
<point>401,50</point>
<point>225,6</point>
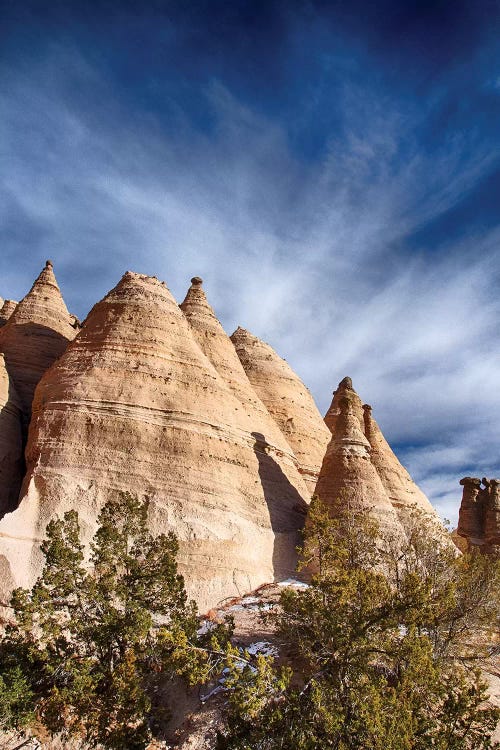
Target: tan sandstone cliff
<point>8,307</point>
<point>288,401</point>
<point>402,491</point>
<point>218,347</point>
<point>347,477</point>
<point>479,516</point>
<point>134,404</point>
<point>35,335</point>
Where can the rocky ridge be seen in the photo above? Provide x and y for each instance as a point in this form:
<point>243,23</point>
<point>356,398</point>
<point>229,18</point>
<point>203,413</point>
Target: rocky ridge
<point>288,401</point>
<point>218,432</point>
<point>135,405</point>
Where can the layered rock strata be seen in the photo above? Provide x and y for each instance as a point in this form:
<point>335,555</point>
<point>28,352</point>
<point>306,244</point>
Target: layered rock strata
<point>11,447</point>
<point>35,335</point>
<point>348,479</point>
<point>479,515</point>
<point>405,496</point>
<point>288,401</point>
<point>218,347</point>
<point>8,307</point>
<point>134,404</point>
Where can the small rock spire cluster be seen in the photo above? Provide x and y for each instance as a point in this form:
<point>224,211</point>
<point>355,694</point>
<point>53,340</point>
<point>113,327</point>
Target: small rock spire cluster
<point>479,516</point>
<point>360,467</point>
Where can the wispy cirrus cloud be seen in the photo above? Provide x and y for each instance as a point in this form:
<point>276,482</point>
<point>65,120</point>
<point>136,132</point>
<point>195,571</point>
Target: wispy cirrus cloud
<point>321,257</point>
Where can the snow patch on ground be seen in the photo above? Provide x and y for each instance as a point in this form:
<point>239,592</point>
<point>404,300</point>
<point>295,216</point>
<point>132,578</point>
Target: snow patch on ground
<point>294,583</point>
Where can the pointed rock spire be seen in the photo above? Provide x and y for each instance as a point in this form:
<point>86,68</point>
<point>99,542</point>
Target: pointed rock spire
<point>492,516</point>
<point>288,401</point>
<point>11,447</point>
<point>472,511</point>
<point>8,308</point>
<point>35,335</point>
<point>347,475</point>
<point>402,491</point>
<point>218,347</point>
<point>344,390</point>
<point>134,405</point>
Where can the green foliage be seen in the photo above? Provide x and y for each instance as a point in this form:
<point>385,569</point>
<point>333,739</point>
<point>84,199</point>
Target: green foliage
<point>385,644</point>
<point>93,645</point>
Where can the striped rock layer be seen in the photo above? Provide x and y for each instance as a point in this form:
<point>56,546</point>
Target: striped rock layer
<point>288,401</point>
<point>35,335</point>
<point>404,495</point>
<point>134,404</point>
<point>348,479</point>
<point>7,308</point>
<point>218,348</point>
<point>479,516</point>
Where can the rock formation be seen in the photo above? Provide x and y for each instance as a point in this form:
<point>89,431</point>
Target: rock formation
<point>348,476</point>
<point>287,400</point>
<point>218,347</point>
<point>402,491</point>
<point>8,307</point>
<point>36,334</point>
<point>134,404</point>
<point>479,516</point>
<point>11,448</point>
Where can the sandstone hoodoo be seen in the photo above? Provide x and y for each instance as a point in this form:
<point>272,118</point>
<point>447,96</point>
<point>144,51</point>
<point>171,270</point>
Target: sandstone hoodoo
<point>218,347</point>
<point>8,307</point>
<point>287,400</point>
<point>135,405</point>
<point>344,390</point>
<point>35,335</point>
<point>348,477</point>
<point>11,448</point>
<point>402,491</point>
<point>479,517</point>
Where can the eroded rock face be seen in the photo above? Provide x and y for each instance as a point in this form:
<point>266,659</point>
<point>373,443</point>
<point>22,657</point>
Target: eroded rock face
<point>405,496</point>
<point>218,347</point>
<point>479,515</point>
<point>8,307</point>
<point>288,401</point>
<point>35,335</point>
<point>348,476</point>
<point>11,447</point>
<point>134,404</point>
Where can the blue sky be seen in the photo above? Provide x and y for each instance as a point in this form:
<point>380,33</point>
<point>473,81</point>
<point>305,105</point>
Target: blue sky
<point>332,170</point>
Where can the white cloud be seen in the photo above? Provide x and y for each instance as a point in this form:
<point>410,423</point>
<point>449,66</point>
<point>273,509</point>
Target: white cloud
<point>311,257</point>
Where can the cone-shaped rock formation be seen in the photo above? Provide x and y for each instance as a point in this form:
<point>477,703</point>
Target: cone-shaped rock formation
<point>344,391</point>
<point>8,308</point>
<point>36,334</point>
<point>288,401</point>
<point>11,448</point>
<point>347,475</point>
<point>402,491</point>
<point>218,347</point>
<point>135,405</point>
